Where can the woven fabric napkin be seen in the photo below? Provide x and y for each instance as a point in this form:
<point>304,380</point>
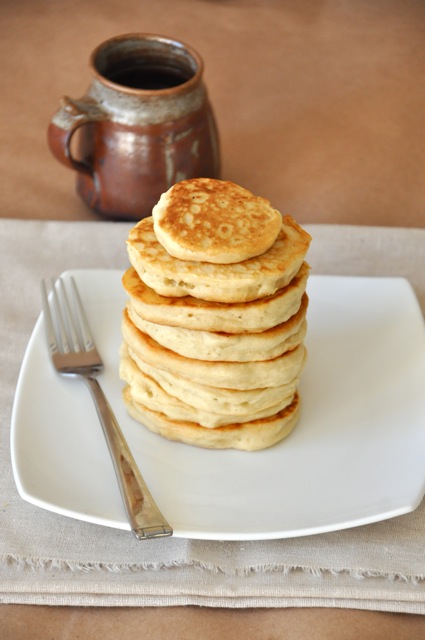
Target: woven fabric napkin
<point>50,559</point>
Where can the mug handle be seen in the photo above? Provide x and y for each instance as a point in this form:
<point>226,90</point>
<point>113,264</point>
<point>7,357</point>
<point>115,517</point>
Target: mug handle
<point>71,115</point>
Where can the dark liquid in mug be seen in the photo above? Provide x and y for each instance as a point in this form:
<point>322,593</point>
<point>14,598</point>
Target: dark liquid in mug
<point>142,77</point>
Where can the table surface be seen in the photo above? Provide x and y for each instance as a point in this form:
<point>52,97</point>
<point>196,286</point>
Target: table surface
<point>320,109</point>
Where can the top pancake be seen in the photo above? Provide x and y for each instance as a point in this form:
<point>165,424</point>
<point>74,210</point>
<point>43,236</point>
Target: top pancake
<point>251,279</point>
<point>216,221</point>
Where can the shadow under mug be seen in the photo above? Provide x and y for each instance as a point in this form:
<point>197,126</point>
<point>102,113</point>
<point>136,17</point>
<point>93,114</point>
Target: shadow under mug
<point>144,124</point>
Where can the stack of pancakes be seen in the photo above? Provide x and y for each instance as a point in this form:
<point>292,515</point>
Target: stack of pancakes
<point>213,332</point>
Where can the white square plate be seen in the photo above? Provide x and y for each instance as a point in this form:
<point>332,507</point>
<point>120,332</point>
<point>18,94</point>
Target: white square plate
<point>356,456</point>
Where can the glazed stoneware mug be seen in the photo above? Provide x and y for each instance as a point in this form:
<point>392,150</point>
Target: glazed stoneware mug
<point>144,123</point>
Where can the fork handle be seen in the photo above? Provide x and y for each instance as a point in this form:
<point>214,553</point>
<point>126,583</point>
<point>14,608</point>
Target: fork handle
<point>145,518</point>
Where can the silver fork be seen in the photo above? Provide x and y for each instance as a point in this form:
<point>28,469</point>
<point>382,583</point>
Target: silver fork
<point>73,353</point>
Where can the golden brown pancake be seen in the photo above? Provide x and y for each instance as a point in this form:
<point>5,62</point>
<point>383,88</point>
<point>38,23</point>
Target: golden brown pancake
<point>214,327</point>
<point>250,436</point>
<point>226,347</point>
<point>236,402</point>
<point>192,313</point>
<point>216,221</point>
<point>146,391</point>
<point>241,282</point>
<point>228,375</point>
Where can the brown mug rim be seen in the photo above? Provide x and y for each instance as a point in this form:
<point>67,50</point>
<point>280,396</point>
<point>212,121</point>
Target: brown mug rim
<point>184,86</point>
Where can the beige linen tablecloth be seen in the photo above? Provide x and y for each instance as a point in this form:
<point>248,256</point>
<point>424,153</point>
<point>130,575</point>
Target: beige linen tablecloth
<point>50,559</point>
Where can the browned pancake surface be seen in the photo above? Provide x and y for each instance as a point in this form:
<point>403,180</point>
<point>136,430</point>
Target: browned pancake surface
<point>214,221</point>
<point>251,279</point>
<point>194,313</point>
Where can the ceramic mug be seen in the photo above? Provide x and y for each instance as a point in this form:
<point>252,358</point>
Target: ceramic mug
<point>144,123</point>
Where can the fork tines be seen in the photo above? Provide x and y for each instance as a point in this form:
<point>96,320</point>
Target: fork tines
<point>67,327</point>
